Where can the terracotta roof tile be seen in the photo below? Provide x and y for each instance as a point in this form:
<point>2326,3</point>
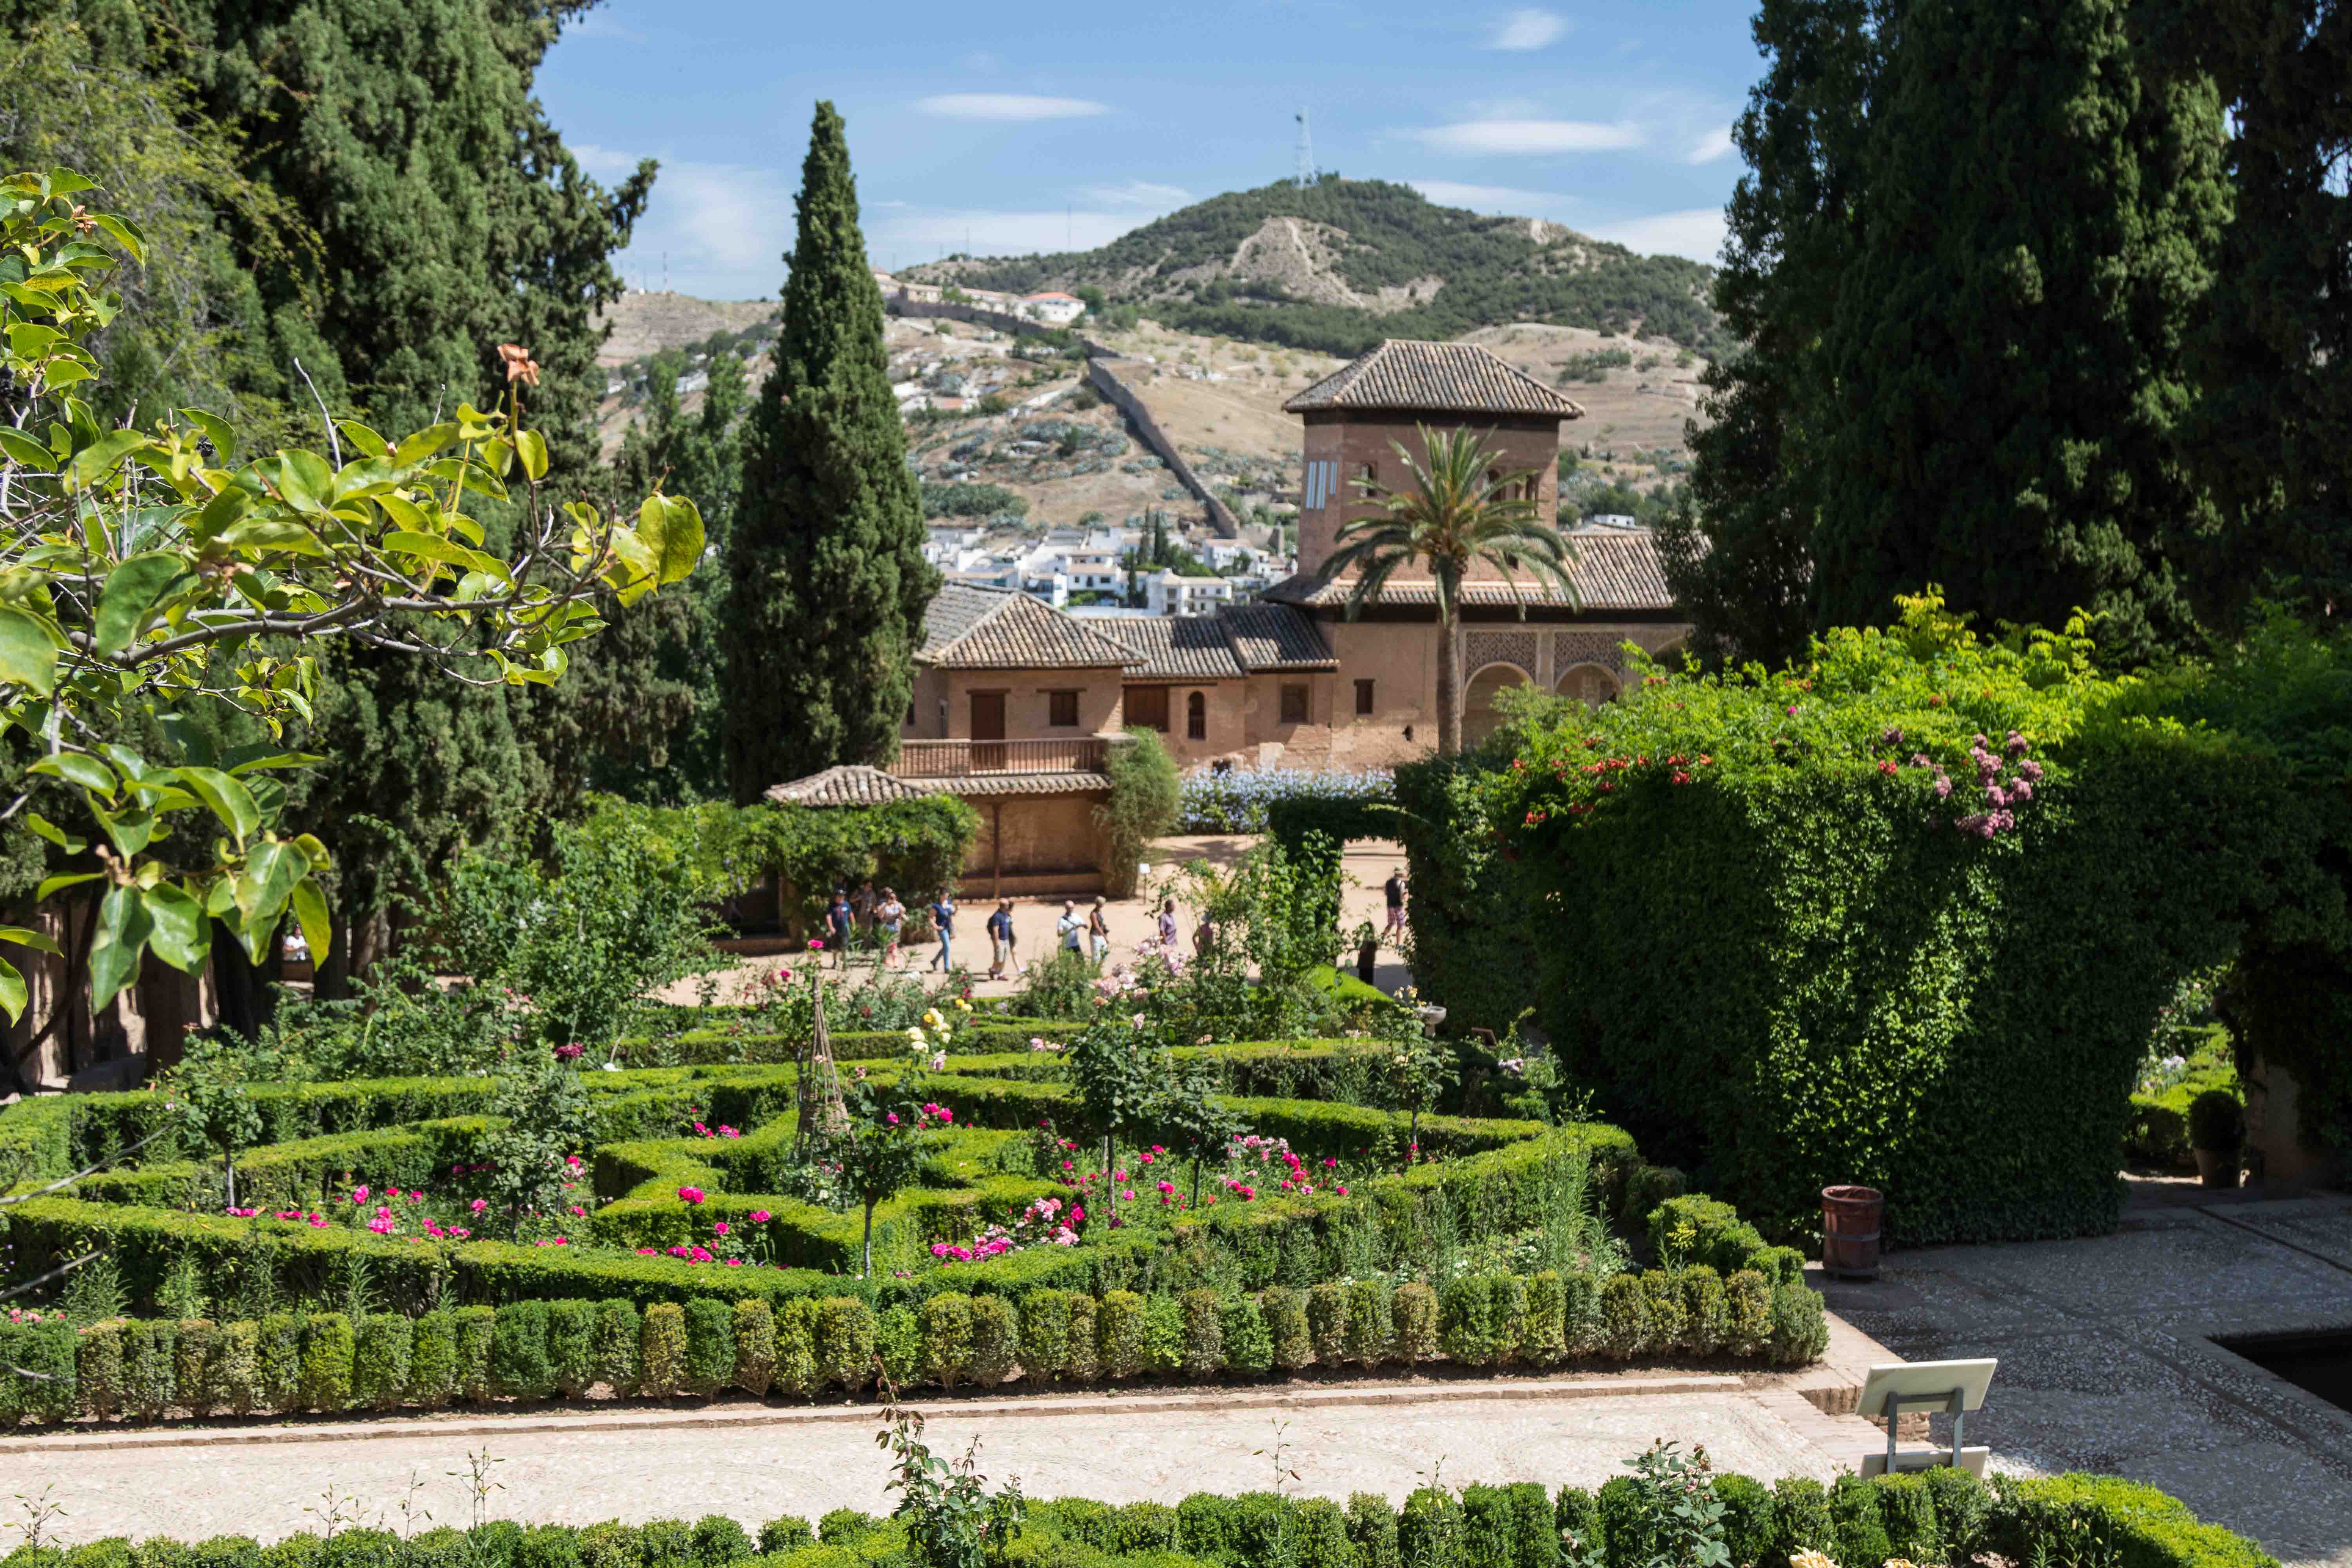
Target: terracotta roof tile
<point>1450,378</point>
<point>1180,647</point>
<point>849,785</point>
<point>1276,637</point>
<point>1615,569</point>
<point>969,628</point>
<point>972,786</point>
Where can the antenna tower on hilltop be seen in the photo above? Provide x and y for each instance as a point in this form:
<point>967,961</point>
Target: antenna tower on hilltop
<point>1306,153</point>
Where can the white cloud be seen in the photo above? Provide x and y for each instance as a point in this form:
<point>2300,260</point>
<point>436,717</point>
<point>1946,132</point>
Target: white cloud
<point>1488,198</point>
<point>1531,136</point>
<point>1713,145</point>
<point>605,162</point>
<point>1694,232</point>
<point>1141,194</point>
<point>1009,106</point>
<point>1528,29</point>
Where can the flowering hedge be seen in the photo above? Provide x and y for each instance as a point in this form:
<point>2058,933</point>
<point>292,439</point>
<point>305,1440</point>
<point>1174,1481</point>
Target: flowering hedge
<point>1903,915</point>
<point>1238,801</point>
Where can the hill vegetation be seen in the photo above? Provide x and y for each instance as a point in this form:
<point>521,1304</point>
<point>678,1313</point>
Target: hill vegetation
<point>1338,265</point>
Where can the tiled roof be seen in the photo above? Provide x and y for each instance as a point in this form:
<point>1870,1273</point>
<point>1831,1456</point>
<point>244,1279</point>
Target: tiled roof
<point>1615,569</point>
<point>1450,378</point>
<point>969,628</point>
<point>978,785</point>
<point>1180,647</point>
<point>1276,637</point>
<point>849,785</point>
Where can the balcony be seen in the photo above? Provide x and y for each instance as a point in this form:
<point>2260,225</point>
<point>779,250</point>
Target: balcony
<point>962,759</point>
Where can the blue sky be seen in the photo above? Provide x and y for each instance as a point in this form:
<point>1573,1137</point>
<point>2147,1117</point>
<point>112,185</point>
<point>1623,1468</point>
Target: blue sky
<point>1011,128</point>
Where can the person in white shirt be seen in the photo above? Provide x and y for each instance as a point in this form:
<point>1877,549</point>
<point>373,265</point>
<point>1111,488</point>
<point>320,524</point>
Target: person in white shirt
<point>1070,928</point>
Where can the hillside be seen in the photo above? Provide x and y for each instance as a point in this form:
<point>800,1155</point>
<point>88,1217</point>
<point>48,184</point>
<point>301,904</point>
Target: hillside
<point>1338,265</point>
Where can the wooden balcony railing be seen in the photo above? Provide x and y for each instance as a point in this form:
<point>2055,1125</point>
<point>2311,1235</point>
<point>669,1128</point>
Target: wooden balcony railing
<point>953,759</point>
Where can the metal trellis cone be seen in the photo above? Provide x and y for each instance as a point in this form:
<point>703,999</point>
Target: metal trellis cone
<point>823,1079</point>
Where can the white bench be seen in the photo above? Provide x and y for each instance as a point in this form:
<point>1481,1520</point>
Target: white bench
<point>1955,1387</point>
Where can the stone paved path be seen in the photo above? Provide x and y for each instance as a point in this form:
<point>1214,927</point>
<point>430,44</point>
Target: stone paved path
<point>2107,1360</point>
<point>755,1463</point>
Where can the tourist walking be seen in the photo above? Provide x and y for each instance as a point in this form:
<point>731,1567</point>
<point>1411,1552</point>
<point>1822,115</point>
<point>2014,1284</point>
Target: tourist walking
<point>1168,928</point>
<point>1000,939</point>
<point>1393,888</point>
<point>861,909</point>
<point>1070,929</point>
<point>837,922</point>
<point>1205,938</point>
<point>888,916</point>
<point>943,918</point>
<point>1098,929</point>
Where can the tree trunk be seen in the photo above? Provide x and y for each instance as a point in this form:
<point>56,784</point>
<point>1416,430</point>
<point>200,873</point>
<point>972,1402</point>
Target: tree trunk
<point>866,1249</point>
<point>1449,687</point>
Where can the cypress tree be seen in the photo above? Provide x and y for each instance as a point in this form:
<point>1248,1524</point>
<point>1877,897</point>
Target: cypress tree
<point>828,583</point>
<point>2007,355</point>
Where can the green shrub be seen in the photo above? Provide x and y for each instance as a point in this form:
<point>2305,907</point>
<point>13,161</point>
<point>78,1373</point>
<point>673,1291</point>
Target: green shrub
<point>277,1348</point>
<point>1543,1324</point>
<point>1320,1535</point>
<point>1800,1518</point>
<point>1044,1333</point>
<point>433,1360</point>
<point>381,1358</point>
<point>1575,1519</point>
<point>1414,1308</point>
<point>327,1348</point>
<point>1207,1527</point>
<point>1247,1346</point>
<point>98,1370</point>
<point>48,1348</point>
<point>519,1361</point>
<point>2217,1120</point>
<point>195,1349</point>
<point>1963,1508</point>
<point>1144,1527</point>
<point>947,1338</point>
<point>1799,1330</point>
<point>1372,1531</point>
<point>1748,1520</point>
<point>1625,1327</point>
<point>150,1377</point>
<point>1081,1364</point>
<point>845,1527</point>
<point>1371,1331</point>
<point>1162,1340</point>
<point>1580,1312</point>
<point>620,1338</point>
<point>709,1345</point>
<point>1748,1310</point>
<point>1669,1320</point>
<point>1468,1329</point>
<point>1854,1524</point>
<point>1626,1528</point>
<point>796,1365</point>
<point>1118,1334</point>
<point>786,1533</point>
<point>2151,1529</point>
<point>477,1329</point>
<point>1707,1310</point>
<point>1327,1321</point>
<point>719,1541</point>
<point>844,1341</point>
<point>1285,1311</point>
<point>755,1347</point>
<point>661,1355</point>
<point>1429,1525</point>
<point>1204,1333</point>
<point>1906,1511</point>
<point>572,1345</point>
<point>995,1341</point>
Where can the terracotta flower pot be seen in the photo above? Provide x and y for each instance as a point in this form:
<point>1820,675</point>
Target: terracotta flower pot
<point>2217,1167</point>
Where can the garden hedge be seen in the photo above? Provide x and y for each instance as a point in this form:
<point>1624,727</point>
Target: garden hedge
<point>1942,1516</point>
<point>1779,923</point>
<point>538,1348</point>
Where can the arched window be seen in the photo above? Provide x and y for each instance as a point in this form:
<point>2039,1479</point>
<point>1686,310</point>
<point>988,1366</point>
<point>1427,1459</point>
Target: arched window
<point>1589,684</point>
<point>1479,718</point>
<point>1196,716</point>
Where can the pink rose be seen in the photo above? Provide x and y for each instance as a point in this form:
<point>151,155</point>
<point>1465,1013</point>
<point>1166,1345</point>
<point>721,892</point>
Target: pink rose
<point>758,1216</point>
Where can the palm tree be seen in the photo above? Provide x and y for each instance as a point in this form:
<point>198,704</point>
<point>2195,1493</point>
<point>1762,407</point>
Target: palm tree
<point>1457,512</point>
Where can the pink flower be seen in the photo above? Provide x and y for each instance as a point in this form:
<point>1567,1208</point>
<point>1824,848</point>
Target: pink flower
<point>690,1195</point>
<point>577,1212</point>
<point>758,1216</point>
<point>1128,1197</point>
<point>570,1052</point>
<point>726,1131</point>
<point>648,1252</point>
<point>479,1205</point>
<point>720,1228</point>
<point>816,945</point>
<point>460,1232</point>
<point>1078,1214</point>
<point>1341,1190</point>
<point>1167,1186</point>
<point>359,1194</point>
<point>734,1263</point>
<point>893,1119</point>
<point>416,1197</point>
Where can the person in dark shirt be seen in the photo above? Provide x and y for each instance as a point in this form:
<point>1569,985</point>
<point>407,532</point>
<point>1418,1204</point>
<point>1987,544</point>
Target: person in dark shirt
<point>837,927</point>
<point>943,917</point>
<point>1000,939</point>
<point>1394,891</point>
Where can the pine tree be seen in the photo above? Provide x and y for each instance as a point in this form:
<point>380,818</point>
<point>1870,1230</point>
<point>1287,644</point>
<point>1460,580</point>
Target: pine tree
<point>828,583</point>
<point>2037,236</point>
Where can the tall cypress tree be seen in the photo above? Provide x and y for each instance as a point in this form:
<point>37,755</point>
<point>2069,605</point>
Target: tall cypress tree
<point>2008,355</point>
<point>828,583</point>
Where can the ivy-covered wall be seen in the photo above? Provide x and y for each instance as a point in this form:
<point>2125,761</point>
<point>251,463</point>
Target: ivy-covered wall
<point>1903,915</point>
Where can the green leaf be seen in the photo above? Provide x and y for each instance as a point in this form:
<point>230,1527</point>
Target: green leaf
<point>311,910</point>
<point>434,548</point>
<point>95,460</point>
<point>63,880</point>
<point>182,935</point>
<point>11,991</point>
<point>217,430</point>
<point>131,829</point>
<point>270,874</point>
<point>27,655</point>
<point>132,591</point>
<point>53,834</point>
<point>125,234</point>
<point>305,481</point>
<point>24,936</point>
<point>230,801</point>
<point>78,768</point>
<point>124,928</point>
<point>531,447</point>
<point>671,529</point>
<point>23,448</point>
<point>365,440</point>
<point>65,372</point>
<point>275,760</point>
<point>424,444</point>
